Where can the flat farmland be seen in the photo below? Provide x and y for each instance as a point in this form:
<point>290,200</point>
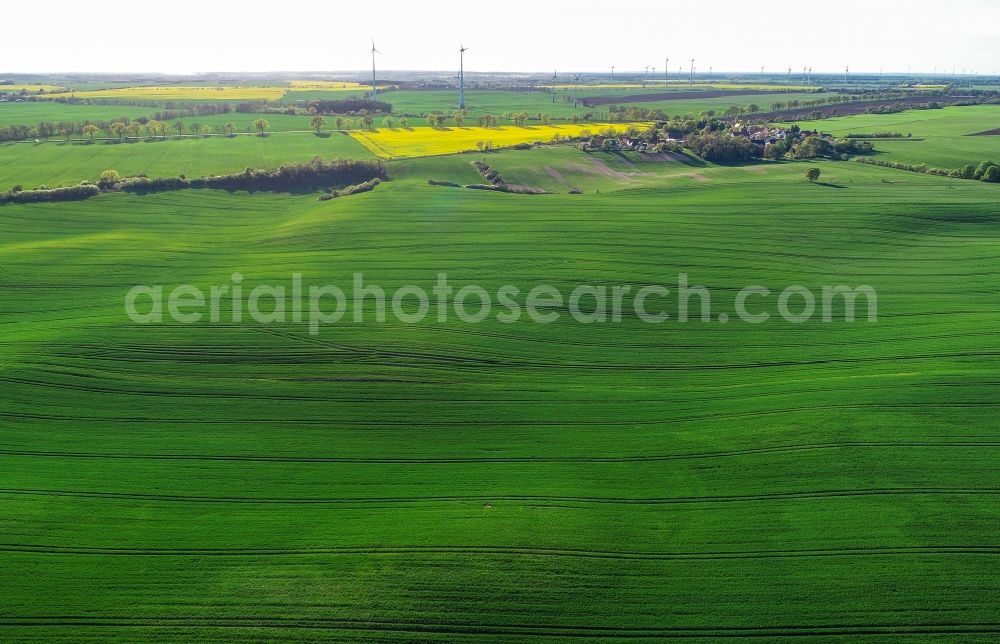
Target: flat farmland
<point>479,102</point>
<point>32,113</point>
<point>681,107</point>
<point>499,101</point>
<point>178,93</point>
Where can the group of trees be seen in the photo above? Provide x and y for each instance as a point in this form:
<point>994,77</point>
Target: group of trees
<point>439,120</point>
<point>618,114</point>
<point>719,147</point>
<point>355,106</point>
<point>488,120</point>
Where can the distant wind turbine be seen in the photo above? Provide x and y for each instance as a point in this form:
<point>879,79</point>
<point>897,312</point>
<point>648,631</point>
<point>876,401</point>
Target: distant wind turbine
<point>374,87</point>
<point>461,75</point>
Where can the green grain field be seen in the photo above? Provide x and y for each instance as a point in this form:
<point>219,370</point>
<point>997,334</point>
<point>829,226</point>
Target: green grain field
<point>539,102</point>
<point>943,138</point>
<point>31,113</point>
<point>57,163</point>
<point>449,481</point>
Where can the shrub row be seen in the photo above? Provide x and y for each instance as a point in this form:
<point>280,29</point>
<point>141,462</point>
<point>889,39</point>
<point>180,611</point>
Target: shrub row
<point>71,193</point>
<point>879,135</point>
<point>488,173</point>
<point>987,171</point>
<point>288,177</point>
<point>367,186</point>
<point>349,106</point>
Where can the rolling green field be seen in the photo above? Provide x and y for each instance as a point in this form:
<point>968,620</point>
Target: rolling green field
<point>945,134</point>
<point>448,481</point>
<point>57,163</point>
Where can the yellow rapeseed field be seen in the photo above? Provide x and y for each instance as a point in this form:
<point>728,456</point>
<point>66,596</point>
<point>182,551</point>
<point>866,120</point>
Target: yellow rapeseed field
<point>426,141</point>
<point>27,88</point>
<point>168,93</point>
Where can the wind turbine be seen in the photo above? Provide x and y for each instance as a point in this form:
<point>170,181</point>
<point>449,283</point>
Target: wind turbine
<point>461,75</point>
<point>666,72</point>
<point>612,73</point>
<point>374,88</point>
<point>847,74</point>
<point>692,71</point>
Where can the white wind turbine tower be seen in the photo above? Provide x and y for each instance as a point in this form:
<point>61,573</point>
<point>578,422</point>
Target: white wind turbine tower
<point>374,88</point>
<point>461,75</point>
<point>666,72</point>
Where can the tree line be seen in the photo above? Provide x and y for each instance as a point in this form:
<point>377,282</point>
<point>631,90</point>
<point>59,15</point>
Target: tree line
<point>987,171</point>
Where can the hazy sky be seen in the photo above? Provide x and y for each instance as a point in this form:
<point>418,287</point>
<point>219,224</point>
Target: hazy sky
<point>514,35</point>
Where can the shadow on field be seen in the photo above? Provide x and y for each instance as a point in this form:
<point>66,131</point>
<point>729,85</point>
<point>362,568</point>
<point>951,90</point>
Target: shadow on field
<point>323,135</point>
<point>830,185</point>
